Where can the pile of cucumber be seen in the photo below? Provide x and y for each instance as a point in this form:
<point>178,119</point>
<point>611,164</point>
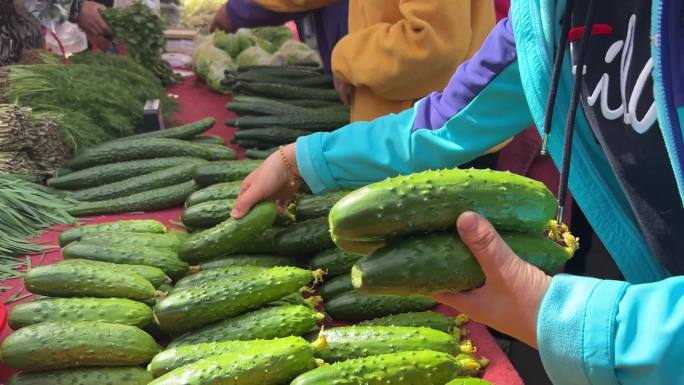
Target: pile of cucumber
<point>276,105</point>
<point>144,172</point>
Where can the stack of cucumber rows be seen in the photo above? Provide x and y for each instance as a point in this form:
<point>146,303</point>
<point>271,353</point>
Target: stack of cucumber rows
<point>143,172</point>
<point>276,105</point>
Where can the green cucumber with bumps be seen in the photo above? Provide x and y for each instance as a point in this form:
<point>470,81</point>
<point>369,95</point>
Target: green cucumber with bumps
<point>207,214</point>
<point>141,183</point>
<point>59,345</point>
<point>152,200</point>
<point>349,342</point>
<point>266,323</point>
<point>427,319</point>
<point>135,226</point>
<point>354,306</point>
<point>259,154</point>
<point>468,381</point>
<point>335,286</point>
<point>110,310</point>
<point>219,152</point>
<point>221,273</point>
<point>75,278</point>
<point>316,206</point>
<point>442,262</point>
<point>209,139</point>
<point>405,368</point>
<point>225,190</point>
<point>156,276</point>
<point>165,260</point>
<point>125,150</point>
<point>275,366</point>
<point>230,236</point>
<point>334,261</point>
<point>272,90</point>
<point>174,358</point>
<point>167,241</point>
<point>248,260</point>
<point>360,248</point>
<point>264,242</point>
<point>224,171</point>
<point>185,132</point>
<point>195,307</point>
<point>432,200</point>
<point>272,135</point>
<point>304,238</point>
<point>84,376</point>
<point>114,172</point>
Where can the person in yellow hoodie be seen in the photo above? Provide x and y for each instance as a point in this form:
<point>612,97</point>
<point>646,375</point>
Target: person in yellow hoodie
<point>395,51</point>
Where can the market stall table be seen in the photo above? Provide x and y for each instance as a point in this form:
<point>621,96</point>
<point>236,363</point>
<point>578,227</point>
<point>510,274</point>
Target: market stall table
<point>197,102</point>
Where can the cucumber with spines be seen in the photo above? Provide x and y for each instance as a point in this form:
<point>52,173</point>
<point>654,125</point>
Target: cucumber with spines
<point>185,132</point>
<point>59,345</point>
<point>84,376</point>
<point>156,276</point>
<point>468,381</point>
<point>266,323</point>
<point>207,214</point>
<point>135,225</point>
<point>209,139</point>
<point>195,307</point>
<point>259,154</point>
<point>335,286</point>
<point>304,238</point>
<point>316,206</point>
<point>224,171</point>
<point>334,261</point>
<point>220,273</point>
<point>219,152</point>
<point>428,319</point>
<point>354,306</point>
<point>264,260</point>
<point>225,190</point>
<point>284,91</point>
<point>156,241</point>
<point>307,120</point>
<point>271,135</point>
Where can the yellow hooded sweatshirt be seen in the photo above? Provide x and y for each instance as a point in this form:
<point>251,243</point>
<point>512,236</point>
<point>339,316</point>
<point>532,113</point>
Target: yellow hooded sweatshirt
<point>398,51</point>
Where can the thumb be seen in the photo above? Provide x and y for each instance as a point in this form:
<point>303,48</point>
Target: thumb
<point>245,200</point>
<point>484,242</point>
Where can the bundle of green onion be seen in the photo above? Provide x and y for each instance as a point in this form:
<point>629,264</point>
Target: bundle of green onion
<point>26,209</point>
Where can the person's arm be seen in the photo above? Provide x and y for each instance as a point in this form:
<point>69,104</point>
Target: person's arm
<point>250,14</point>
<point>608,332</point>
<point>294,5</point>
<point>416,55</point>
<point>483,105</point>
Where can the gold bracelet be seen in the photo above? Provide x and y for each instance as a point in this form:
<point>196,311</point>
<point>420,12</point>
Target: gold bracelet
<point>296,178</point>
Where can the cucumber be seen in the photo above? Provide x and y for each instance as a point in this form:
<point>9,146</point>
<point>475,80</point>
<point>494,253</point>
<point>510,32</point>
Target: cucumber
<point>315,80</point>
<point>207,214</point>
<point>59,345</point>
<point>145,182</point>
<point>156,241</point>
<point>174,358</point>
<point>124,150</point>
<point>304,238</point>
<point>272,90</point>
<point>154,275</point>
<point>428,319</point>
<point>316,206</point>
<point>297,298</point>
<point>134,226</point>
<point>313,103</point>
<point>468,381</point>
<point>220,273</point>
<point>156,199</point>
<point>266,323</point>
<point>308,120</point>
<point>165,260</point>
<point>75,278</point>
<point>354,306</point>
<point>224,171</point>
<point>348,342</point>
<point>252,105</point>
<point>432,200</point>
<point>114,172</point>
<point>226,190</point>
<point>287,71</point>
<point>252,144</point>
<point>273,366</point>
<point>209,139</point>
<point>334,261</point>
<point>359,248</point>
<point>186,131</point>
<point>271,135</point>
<point>219,152</point>
<point>259,154</point>
<point>229,236</point>
<point>195,307</point>
<point>335,286</point>
<point>441,262</point>
<point>264,242</point>
<point>248,260</point>
<point>84,376</point>
<point>112,310</point>
<point>405,368</point>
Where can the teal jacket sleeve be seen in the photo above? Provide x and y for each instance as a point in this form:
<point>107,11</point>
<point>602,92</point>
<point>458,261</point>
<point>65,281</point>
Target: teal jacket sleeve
<point>603,332</point>
<point>483,105</point>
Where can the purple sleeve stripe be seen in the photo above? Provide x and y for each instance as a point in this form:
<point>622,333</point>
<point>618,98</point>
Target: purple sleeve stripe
<point>471,77</point>
<point>248,14</point>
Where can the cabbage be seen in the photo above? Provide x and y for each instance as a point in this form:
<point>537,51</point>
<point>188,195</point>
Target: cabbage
<point>293,53</point>
<point>234,43</point>
<point>210,63</point>
<point>254,56</point>
<point>277,36</point>
<point>217,72</point>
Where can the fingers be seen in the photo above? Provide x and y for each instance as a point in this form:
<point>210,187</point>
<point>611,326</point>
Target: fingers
<point>484,241</point>
<point>342,89</point>
<point>246,198</point>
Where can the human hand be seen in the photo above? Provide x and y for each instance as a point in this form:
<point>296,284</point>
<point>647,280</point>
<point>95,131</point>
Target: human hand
<point>222,21</point>
<point>94,26</point>
<point>344,89</point>
<point>271,180</point>
<point>510,298</point>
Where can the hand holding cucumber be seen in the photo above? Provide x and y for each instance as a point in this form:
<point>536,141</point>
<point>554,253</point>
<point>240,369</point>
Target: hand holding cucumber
<point>510,298</point>
<point>277,178</point>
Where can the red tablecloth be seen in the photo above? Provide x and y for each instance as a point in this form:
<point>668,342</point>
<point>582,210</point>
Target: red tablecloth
<point>197,102</point>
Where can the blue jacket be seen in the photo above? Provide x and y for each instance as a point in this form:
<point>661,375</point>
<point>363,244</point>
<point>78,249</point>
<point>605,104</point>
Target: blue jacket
<point>590,331</point>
